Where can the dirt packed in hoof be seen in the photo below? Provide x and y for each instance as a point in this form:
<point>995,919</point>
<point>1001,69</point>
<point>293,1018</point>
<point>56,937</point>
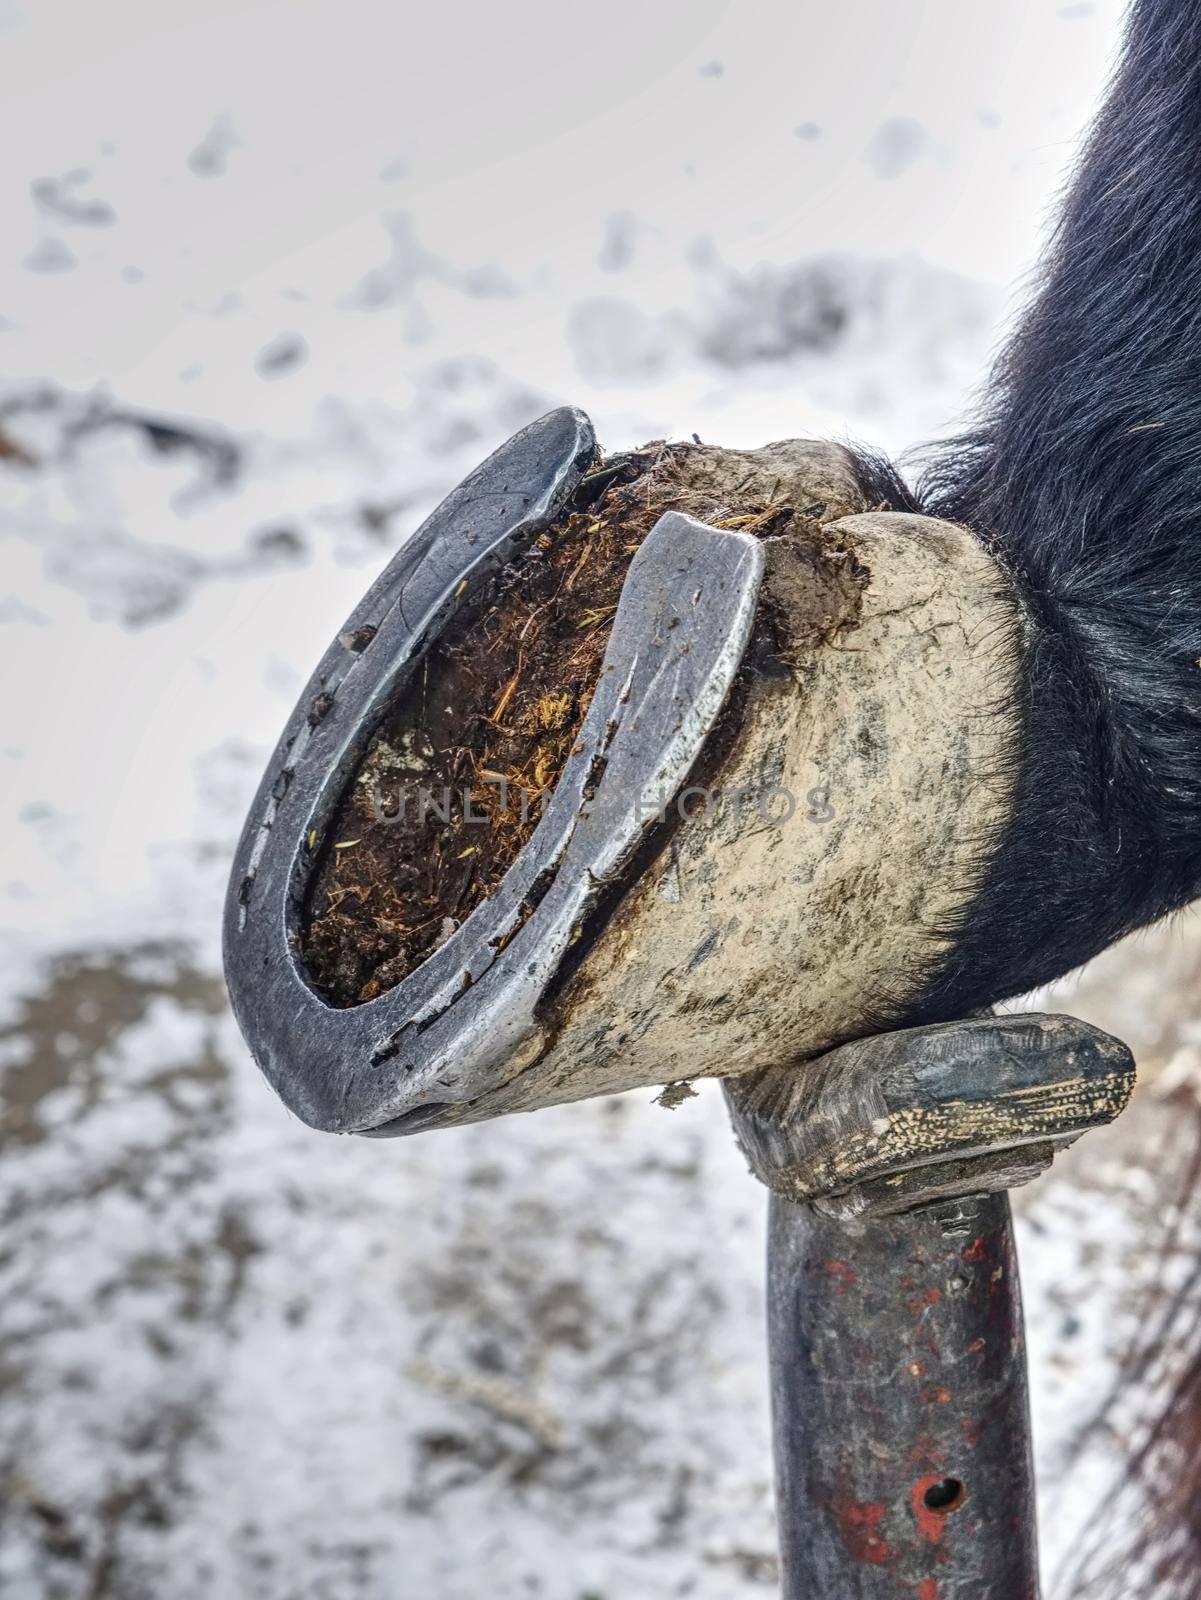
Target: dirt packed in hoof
<point>492,716</point>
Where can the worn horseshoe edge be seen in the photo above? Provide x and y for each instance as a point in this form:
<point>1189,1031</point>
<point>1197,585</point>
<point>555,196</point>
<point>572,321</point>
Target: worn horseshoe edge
<point>464,1021</point>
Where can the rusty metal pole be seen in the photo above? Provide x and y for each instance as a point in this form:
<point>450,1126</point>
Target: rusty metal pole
<point>898,1366</point>
<point>900,1405</point>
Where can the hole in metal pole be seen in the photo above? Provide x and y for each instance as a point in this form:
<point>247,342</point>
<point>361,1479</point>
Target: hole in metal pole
<point>945,1496</point>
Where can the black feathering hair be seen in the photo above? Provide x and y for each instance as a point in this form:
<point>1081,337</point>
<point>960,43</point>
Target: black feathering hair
<point>1084,478</point>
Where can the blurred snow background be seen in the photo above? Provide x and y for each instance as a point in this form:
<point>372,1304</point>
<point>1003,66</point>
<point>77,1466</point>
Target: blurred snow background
<point>273,276</point>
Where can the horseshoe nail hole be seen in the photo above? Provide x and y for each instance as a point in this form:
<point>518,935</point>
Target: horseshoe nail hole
<point>945,1496</point>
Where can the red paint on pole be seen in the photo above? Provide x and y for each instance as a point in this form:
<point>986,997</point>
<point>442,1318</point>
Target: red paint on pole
<point>858,1524</point>
<point>931,1525</point>
<point>843,1274</point>
<point>919,1302</point>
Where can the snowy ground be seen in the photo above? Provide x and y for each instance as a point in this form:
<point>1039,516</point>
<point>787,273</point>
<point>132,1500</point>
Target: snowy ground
<point>273,277</point>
